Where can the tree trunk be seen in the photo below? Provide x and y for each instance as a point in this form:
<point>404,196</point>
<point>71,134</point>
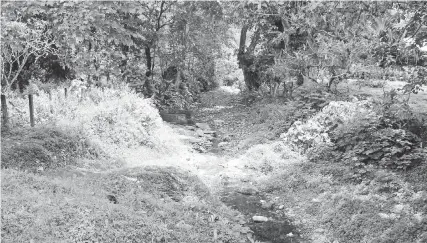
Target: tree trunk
<point>5,113</point>
<point>245,59</point>
<point>148,84</point>
<point>332,79</point>
<point>20,67</point>
<point>148,60</point>
<point>242,43</point>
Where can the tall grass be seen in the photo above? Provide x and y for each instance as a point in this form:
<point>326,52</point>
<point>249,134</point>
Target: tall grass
<point>113,117</point>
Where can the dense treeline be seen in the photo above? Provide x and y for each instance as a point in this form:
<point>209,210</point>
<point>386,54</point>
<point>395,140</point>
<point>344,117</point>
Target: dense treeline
<point>172,48</point>
<point>332,40</point>
<point>111,42</point>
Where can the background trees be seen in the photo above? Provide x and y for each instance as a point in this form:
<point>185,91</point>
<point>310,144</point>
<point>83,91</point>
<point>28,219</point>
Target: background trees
<point>328,40</point>
<point>136,42</point>
<point>112,42</point>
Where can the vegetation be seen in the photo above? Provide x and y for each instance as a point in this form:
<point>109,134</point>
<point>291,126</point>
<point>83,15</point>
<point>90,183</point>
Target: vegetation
<point>68,209</point>
<point>332,40</point>
<point>315,106</point>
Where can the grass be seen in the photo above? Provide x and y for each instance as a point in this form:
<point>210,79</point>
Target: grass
<point>57,177</point>
<point>46,148</point>
<point>68,200</point>
<point>154,205</point>
<point>386,209</point>
<point>321,197</point>
<point>116,118</point>
<point>56,182</point>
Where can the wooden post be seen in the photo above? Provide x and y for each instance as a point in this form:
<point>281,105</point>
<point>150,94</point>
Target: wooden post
<point>30,98</point>
<point>66,92</point>
<point>5,114</point>
<point>82,94</point>
<point>50,101</point>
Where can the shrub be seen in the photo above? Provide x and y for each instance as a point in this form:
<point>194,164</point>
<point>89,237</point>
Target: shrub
<point>357,135</point>
<point>269,159</point>
<point>385,147</point>
<point>43,148</point>
<point>230,81</point>
<point>313,133</point>
<point>399,115</point>
<point>116,117</point>
<point>172,99</point>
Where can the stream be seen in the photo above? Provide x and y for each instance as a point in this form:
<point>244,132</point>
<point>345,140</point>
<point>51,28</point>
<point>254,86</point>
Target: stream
<point>276,230</point>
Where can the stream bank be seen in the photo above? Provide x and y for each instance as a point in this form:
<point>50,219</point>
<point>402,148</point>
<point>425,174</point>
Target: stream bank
<point>263,216</point>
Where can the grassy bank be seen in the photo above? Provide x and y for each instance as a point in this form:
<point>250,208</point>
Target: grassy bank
<point>342,196</point>
<point>64,181</point>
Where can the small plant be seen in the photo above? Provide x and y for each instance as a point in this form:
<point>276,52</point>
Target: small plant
<point>230,81</point>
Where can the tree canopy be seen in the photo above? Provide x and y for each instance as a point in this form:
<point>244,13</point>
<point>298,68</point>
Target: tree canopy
<point>107,42</point>
<point>338,38</point>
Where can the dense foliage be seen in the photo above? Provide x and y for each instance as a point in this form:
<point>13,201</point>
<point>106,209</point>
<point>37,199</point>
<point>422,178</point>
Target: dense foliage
<point>356,169</point>
<point>136,42</point>
<point>361,136</point>
<point>328,40</point>
<point>105,43</point>
<point>118,117</point>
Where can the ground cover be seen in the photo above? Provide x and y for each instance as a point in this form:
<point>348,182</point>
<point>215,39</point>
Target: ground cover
<point>174,193</point>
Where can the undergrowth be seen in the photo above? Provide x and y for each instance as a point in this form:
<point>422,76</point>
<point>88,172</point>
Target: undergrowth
<point>66,197</point>
<point>354,172</point>
<point>45,148</point>
<point>114,116</point>
<point>41,209</point>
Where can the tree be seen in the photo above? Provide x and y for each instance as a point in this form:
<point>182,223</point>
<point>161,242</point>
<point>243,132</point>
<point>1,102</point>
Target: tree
<point>20,42</point>
<point>190,45</point>
<point>337,38</point>
<point>106,42</point>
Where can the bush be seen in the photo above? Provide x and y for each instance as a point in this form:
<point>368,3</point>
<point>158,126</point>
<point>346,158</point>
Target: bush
<point>172,99</point>
<point>229,81</point>
<point>117,117</point>
<point>43,148</point>
<point>359,137</point>
<point>399,115</point>
<point>386,147</point>
<point>269,159</point>
<point>314,133</point>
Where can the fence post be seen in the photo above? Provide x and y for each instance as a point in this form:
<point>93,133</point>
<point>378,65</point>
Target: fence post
<point>30,98</point>
<point>5,114</point>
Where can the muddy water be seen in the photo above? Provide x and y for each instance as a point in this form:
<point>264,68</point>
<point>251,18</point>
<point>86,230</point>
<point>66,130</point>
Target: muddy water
<point>277,230</point>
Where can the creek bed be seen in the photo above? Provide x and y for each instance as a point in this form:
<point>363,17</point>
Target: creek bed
<point>277,229</point>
